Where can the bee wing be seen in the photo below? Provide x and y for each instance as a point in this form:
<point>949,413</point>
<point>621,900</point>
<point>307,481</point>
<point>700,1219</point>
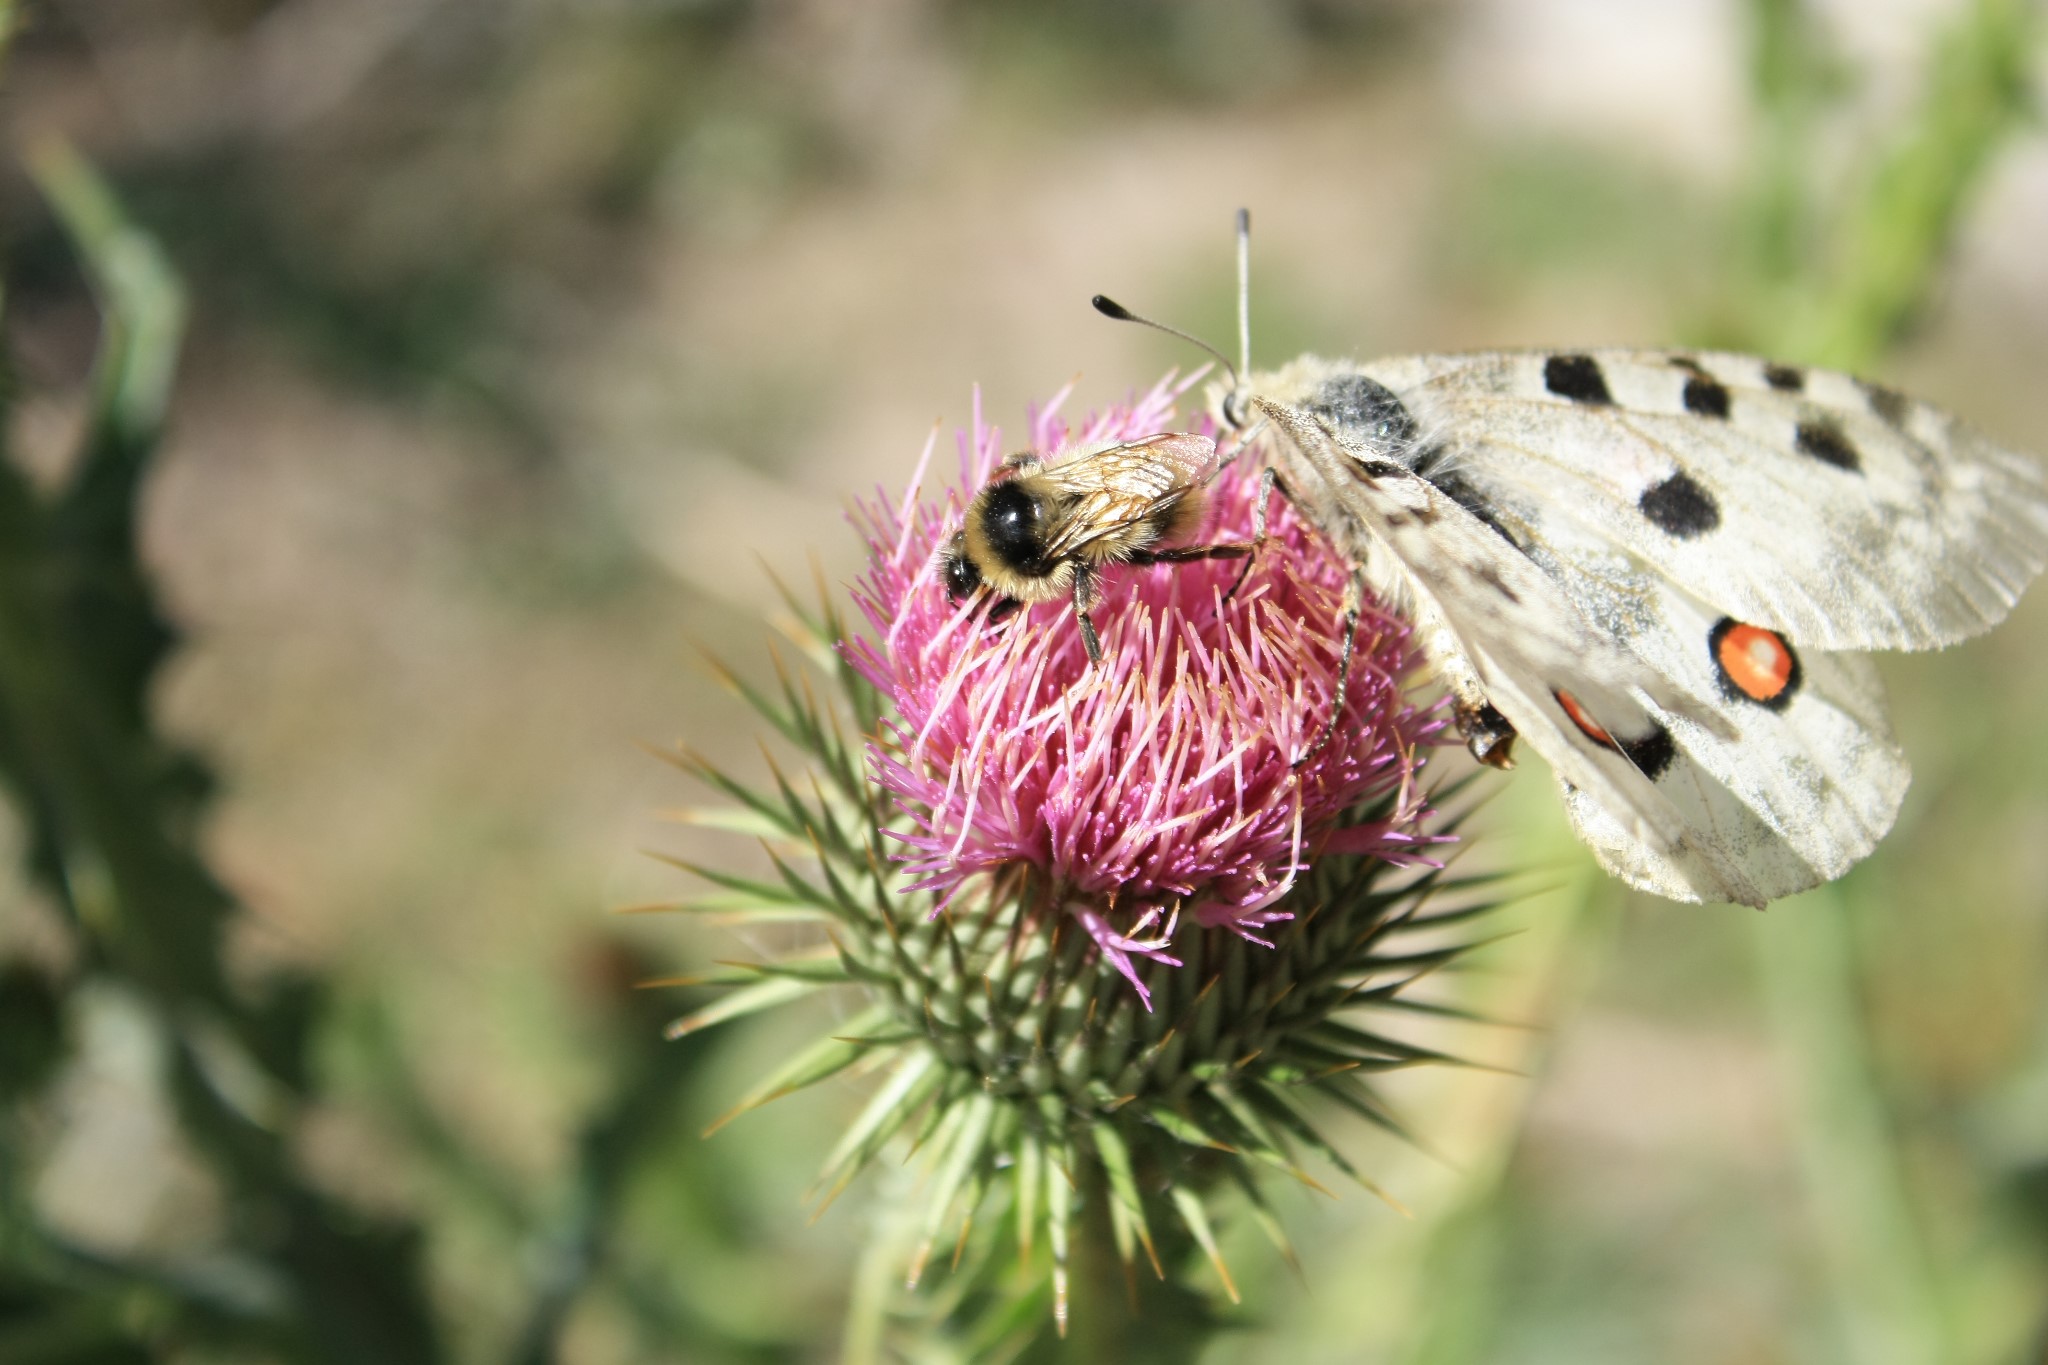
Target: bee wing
<point>1115,489</point>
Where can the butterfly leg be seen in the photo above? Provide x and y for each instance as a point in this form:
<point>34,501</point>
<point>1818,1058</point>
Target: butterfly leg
<point>1084,602</point>
<point>1354,603</point>
<point>1269,483</point>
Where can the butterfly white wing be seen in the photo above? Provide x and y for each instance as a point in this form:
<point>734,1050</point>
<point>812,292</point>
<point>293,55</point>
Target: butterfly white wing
<point>1794,508</point>
<point>1838,513</point>
<point>1506,634</point>
<point>1804,788</point>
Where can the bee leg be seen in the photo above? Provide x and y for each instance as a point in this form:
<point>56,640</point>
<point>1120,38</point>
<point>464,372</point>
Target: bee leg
<point>1188,554</point>
<point>1084,600</point>
<point>1354,600</point>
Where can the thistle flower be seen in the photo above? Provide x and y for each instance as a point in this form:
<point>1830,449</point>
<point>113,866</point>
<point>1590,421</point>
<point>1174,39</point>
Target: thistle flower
<point>1164,778</point>
<point>1110,936</point>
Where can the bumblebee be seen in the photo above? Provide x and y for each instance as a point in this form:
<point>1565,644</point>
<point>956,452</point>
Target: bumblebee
<point>1038,532</point>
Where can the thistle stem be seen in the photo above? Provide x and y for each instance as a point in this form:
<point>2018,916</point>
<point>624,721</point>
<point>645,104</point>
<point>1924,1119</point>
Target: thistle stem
<point>1878,1268</point>
<point>878,1278</point>
<point>1454,1314</point>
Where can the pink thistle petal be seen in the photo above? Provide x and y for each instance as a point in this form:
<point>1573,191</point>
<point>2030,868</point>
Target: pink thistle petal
<point>1162,780</point>
<point>1118,948</point>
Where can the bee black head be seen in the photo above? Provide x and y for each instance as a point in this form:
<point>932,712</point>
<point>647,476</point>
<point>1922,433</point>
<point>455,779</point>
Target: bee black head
<point>1013,524</point>
<point>958,571</point>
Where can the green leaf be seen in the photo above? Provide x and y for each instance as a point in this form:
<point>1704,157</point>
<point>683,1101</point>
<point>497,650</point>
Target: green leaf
<point>1184,1129</point>
<point>1059,1204</point>
<point>824,1058</point>
<point>1977,98</point>
<point>735,1004</point>
<point>957,1157</point>
<point>889,1110</point>
<point>749,894</point>
<point>108,804</point>
<point>1127,1207</point>
<point>144,308</point>
<point>1030,1171</point>
<point>823,969</point>
<point>1197,1220</point>
<point>31,1032</point>
<point>731,820</point>
<point>1351,1091</point>
<point>1262,1214</point>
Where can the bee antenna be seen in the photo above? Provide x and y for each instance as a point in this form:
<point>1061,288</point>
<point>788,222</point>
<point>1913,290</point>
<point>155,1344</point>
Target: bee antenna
<point>1110,308</point>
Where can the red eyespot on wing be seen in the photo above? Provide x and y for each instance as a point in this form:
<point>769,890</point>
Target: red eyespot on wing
<point>1754,664</point>
<point>1652,753</point>
<point>1583,721</point>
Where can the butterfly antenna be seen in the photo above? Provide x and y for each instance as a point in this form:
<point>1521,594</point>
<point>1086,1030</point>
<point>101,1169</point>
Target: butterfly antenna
<point>1244,291</point>
<point>1110,308</point>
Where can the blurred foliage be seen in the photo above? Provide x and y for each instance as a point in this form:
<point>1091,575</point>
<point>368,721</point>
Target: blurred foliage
<point>292,1271</point>
<point>494,155</point>
<point>1186,50</point>
<point>110,812</point>
<point>1869,261</point>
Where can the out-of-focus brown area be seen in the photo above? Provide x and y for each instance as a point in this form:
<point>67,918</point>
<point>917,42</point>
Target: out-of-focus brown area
<point>526,333</point>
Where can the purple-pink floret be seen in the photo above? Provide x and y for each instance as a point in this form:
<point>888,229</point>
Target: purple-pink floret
<point>1160,783</point>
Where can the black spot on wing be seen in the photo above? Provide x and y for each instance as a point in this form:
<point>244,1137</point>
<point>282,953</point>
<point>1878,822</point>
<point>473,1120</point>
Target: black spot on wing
<point>1705,397</point>
<point>1785,378</point>
<point>1652,754</point>
<point>1576,377</point>
<point>1430,460</point>
<point>1364,410</point>
<point>1891,406</point>
<point>1826,442</point>
<point>1491,577</point>
<point>1463,492</point>
<point>1680,507</point>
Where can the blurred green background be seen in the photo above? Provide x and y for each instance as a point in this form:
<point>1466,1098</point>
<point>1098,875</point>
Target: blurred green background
<point>521,333</point>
